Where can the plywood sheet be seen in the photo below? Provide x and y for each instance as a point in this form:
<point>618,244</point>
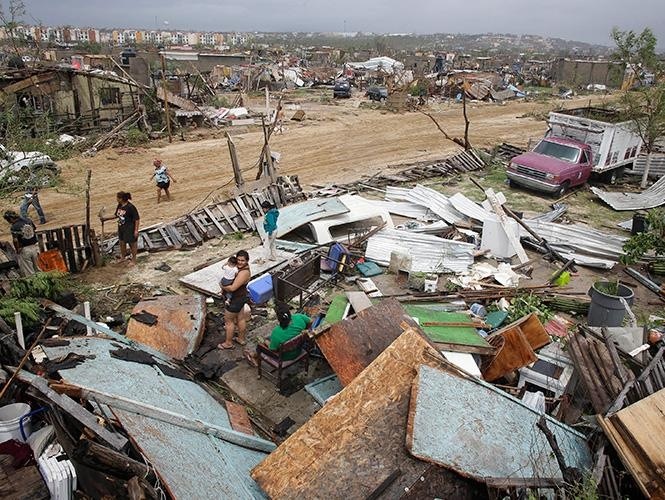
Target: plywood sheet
<point>352,344</point>
<point>207,280</point>
<point>179,328</point>
<point>356,441</point>
<point>479,431</point>
<point>638,434</point>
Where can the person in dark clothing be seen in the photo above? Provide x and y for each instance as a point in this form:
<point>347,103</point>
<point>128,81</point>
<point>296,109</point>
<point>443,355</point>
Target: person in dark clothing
<point>128,225</point>
<point>236,311</point>
<point>25,242</point>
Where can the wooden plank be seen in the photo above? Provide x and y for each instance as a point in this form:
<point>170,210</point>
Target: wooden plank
<point>351,446</point>
<point>513,351</point>
<point>73,409</point>
<point>25,483</point>
<point>230,222</point>
<point>204,231</point>
<point>352,344</point>
<point>359,300</point>
<point>192,230</point>
<point>214,220</point>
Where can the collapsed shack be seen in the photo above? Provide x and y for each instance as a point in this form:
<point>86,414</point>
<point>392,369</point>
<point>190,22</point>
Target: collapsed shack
<point>68,100</point>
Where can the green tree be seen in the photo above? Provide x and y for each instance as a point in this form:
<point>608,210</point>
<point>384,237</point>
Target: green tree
<point>646,105</point>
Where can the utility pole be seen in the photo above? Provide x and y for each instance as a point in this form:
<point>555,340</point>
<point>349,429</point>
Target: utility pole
<point>166,98</point>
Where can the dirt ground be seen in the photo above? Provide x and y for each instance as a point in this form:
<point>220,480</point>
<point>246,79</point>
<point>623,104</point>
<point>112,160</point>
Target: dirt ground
<point>336,142</point>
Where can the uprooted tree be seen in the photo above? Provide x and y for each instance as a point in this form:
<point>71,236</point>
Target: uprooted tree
<point>645,106</point>
<point>460,142</point>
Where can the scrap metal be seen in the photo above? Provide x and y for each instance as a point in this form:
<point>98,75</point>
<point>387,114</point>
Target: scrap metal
<point>651,198</point>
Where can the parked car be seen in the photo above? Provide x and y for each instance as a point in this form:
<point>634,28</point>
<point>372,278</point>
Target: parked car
<point>555,165</point>
<point>377,93</point>
<point>342,88</point>
<point>21,165</point>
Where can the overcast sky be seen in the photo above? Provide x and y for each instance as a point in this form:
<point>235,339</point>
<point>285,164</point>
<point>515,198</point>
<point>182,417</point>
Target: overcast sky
<point>582,20</point>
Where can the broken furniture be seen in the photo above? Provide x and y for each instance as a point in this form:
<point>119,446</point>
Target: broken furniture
<point>551,372</point>
<point>295,280</point>
<point>179,327</point>
<point>515,345</point>
<point>275,359</point>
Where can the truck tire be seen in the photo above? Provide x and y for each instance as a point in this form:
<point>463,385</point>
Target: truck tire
<point>613,175</point>
<point>563,189</point>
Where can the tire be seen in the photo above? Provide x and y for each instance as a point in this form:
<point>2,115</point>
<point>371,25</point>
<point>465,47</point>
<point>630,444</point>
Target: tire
<point>563,189</point>
<point>613,175</point>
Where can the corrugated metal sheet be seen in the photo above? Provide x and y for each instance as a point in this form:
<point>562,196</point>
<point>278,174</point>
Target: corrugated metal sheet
<point>480,431</point>
<point>651,198</point>
<point>656,169</point>
<point>191,464</point>
<point>578,238</point>
<point>293,216</point>
<point>428,253</point>
<point>436,202</point>
<point>404,208</point>
<point>394,193</point>
<point>469,207</point>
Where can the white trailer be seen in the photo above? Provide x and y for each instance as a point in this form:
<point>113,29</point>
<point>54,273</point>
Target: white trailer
<point>612,139</point>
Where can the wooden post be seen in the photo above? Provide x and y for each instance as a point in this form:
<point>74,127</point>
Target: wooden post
<point>166,98</point>
<point>19,329</point>
<point>86,313</point>
<point>237,173</point>
<point>86,236</point>
<point>267,103</point>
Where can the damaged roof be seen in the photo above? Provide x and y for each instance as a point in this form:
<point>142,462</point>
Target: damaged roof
<point>190,464</point>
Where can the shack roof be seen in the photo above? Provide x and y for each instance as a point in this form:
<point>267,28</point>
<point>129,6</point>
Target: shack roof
<point>190,464</point>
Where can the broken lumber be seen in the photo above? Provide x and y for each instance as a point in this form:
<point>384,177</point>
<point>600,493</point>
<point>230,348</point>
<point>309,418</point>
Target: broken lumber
<point>73,409</point>
<point>104,458</point>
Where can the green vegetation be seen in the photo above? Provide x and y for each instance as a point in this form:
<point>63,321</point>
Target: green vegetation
<point>652,240</point>
<point>25,294</point>
<point>523,305</point>
<point>136,137</point>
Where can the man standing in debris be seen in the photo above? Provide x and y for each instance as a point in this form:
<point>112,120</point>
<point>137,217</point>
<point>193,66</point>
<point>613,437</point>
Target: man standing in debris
<point>128,226</point>
<point>237,310</point>
<point>25,242</point>
<point>163,178</point>
<point>31,197</point>
<point>270,227</point>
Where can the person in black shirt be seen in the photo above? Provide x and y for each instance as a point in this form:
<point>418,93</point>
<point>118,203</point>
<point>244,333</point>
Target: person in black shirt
<point>128,225</point>
<point>25,242</point>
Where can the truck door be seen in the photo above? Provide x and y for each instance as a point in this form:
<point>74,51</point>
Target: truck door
<point>586,164</point>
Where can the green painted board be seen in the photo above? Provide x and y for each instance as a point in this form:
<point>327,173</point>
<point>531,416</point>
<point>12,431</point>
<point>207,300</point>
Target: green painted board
<point>446,334</point>
<point>336,309</point>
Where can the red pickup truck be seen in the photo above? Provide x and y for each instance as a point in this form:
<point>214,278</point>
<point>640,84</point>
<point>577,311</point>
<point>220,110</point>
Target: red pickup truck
<point>555,165</point>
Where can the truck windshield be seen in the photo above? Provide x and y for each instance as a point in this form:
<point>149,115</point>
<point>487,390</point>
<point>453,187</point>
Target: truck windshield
<point>560,151</point>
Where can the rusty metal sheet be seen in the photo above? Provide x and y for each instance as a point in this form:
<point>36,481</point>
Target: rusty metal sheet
<point>179,328</point>
<point>481,432</point>
<point>351,345</point>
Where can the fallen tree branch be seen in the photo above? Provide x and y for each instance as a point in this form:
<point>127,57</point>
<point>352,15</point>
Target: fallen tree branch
<point>456,140</point>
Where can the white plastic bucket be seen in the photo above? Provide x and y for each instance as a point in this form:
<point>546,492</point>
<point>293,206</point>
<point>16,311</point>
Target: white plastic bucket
<point>10,418</point>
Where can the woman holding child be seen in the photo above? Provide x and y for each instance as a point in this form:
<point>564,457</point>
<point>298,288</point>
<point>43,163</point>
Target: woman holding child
<point>235,312</point>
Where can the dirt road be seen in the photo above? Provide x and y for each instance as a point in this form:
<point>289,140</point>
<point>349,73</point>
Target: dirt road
<point>336,142</point>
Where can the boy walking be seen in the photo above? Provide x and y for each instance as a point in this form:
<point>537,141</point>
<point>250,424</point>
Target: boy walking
<point>270,227</point>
